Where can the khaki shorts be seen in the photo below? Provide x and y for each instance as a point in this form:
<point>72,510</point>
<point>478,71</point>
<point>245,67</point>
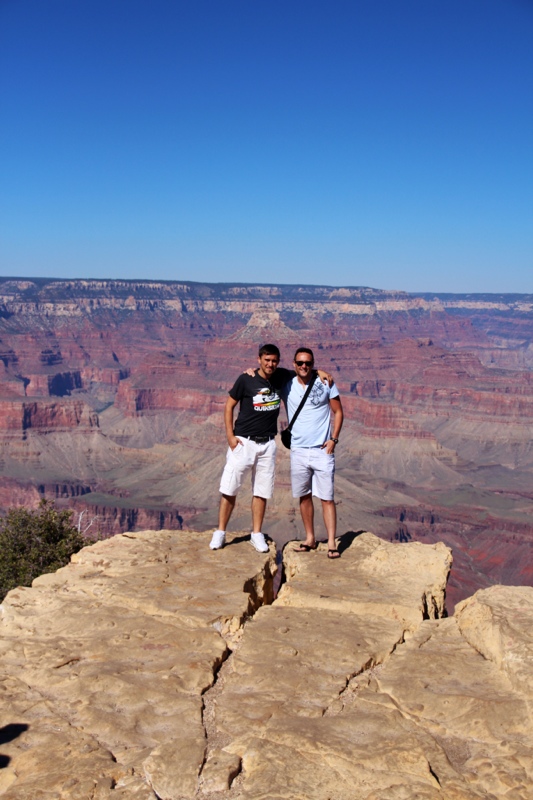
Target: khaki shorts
<point>260,458</point>
<point>312,471</point>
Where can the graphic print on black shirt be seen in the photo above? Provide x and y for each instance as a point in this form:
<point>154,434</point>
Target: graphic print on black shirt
<point>259,406</point>
<point>266,400</point>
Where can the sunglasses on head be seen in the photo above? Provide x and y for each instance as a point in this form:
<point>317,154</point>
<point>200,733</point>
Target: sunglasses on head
<point>304,363</point>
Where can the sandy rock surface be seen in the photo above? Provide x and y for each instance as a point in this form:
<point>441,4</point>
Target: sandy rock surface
<point>152,667</point>
<point>499,624</point>
<point>104,664</point>
<point>375,579</point>
<point>358,694</point>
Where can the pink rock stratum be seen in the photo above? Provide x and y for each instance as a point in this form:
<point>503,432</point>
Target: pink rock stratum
<point>111,396</point>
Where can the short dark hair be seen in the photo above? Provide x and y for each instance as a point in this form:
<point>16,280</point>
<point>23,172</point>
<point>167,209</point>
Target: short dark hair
<point>305,350</point>
<point>269,350</point>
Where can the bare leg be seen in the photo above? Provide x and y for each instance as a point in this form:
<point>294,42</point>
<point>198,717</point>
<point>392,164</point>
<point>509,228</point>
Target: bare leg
<point>258,513</point>
<point>307,510</point>
<point>330,521</point>
<point>227,504</point>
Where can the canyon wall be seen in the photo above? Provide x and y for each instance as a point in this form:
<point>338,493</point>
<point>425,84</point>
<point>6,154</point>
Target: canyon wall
<point>119,386</point>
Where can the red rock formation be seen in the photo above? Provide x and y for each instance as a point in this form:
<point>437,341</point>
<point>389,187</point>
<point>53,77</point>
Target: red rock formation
<point>109,520</point>
<point>15,493</point>
<point>19,416</point>
<point>436,390</point>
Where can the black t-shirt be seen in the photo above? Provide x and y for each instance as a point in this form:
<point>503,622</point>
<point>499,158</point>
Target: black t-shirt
<point>259,403</point>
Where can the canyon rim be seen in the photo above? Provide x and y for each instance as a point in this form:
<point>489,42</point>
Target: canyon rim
<point>111,395</point>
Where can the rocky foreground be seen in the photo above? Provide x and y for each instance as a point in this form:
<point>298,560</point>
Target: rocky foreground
<point>151,667</point>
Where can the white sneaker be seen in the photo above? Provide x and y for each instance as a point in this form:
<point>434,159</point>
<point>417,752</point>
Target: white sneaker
<point>218,540</point>
<point>258,541</point>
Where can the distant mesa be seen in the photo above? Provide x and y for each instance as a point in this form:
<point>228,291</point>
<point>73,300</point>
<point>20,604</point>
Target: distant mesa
<point>264,324</point>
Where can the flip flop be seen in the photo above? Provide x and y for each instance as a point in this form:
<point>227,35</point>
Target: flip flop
<point>333,553</point>
<point>305,548</point>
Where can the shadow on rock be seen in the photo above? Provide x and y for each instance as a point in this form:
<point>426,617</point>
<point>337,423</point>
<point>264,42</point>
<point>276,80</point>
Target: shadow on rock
<point>345,541</point>
<point>7,734</point>
<point>238,540</point>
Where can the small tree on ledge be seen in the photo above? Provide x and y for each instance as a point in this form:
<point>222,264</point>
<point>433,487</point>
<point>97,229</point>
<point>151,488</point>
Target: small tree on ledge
<point>35,542</point>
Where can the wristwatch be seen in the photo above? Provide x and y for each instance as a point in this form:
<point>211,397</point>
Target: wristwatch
<point>334,440</point>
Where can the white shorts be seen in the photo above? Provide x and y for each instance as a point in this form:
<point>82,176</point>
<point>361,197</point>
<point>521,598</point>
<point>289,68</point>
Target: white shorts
<point>312,470</point>
<point>260,458</point>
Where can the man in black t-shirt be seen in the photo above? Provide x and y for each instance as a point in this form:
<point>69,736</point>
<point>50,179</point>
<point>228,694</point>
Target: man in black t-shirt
<point>251,443</point>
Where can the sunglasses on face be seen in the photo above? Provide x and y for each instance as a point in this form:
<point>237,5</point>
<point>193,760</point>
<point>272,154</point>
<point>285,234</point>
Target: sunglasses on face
<point>304,363</point>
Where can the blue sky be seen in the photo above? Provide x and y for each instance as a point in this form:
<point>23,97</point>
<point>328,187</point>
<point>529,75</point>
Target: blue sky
<point>379,143</point>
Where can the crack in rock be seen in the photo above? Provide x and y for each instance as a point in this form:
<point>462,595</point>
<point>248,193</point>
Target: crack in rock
<point>145,651</point>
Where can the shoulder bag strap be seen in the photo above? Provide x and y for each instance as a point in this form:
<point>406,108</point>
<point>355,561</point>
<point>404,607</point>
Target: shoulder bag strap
<point>304,398</point>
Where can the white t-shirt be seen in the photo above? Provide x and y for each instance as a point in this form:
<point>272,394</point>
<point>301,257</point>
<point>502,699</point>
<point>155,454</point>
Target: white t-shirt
<point>313,424</point>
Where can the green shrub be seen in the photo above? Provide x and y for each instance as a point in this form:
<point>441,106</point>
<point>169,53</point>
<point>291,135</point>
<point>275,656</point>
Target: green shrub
<point>34,542</point>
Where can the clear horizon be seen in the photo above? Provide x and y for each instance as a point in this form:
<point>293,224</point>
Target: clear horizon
<point>45,278</point>
<point>365,144</point>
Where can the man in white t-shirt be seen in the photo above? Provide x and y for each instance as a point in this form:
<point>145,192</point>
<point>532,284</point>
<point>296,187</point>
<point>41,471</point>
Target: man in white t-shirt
<point>313,447</point>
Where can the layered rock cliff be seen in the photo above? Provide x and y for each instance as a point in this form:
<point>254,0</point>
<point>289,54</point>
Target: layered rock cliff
<point>118,386</point>
<point>152,667</point>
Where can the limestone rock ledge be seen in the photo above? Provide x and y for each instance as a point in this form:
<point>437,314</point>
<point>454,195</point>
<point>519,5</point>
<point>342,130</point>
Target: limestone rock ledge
<point>351,686</point>
<point>104,664</point>
<point>152,667</point>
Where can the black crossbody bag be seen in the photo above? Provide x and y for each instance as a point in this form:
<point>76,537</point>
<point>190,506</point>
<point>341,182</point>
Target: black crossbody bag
<point>286,435</point>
